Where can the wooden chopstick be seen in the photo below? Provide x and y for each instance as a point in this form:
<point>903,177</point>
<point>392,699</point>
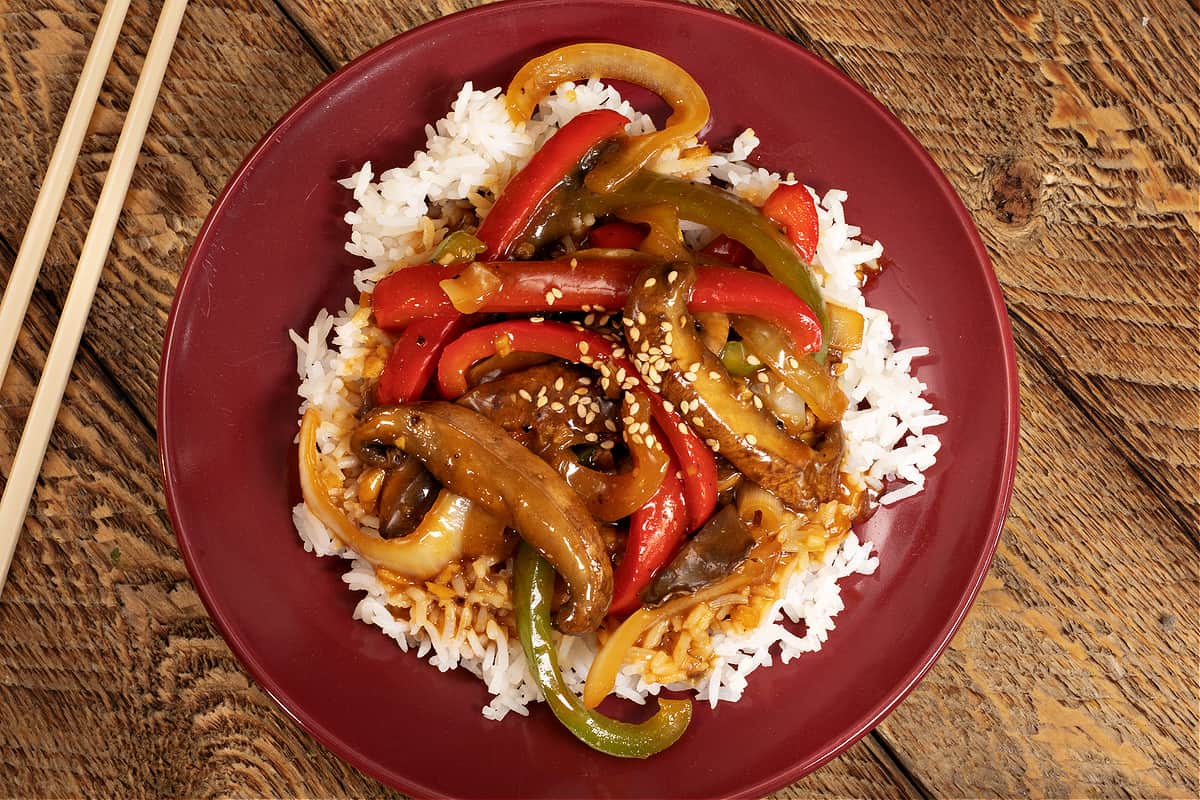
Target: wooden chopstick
<point>58,176</point>
<point>22,477</point>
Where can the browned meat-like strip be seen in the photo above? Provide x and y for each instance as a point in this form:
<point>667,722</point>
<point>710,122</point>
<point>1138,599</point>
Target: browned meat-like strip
<point>477,459</point>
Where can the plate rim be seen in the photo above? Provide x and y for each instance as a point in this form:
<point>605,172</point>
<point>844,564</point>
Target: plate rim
<point>363,63</point>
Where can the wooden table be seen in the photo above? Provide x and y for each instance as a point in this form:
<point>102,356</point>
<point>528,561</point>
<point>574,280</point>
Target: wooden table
<point>1068,128</point>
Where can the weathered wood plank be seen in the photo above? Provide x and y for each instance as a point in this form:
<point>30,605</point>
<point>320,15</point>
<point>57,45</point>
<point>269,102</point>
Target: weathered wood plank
<point>1075,674</point>
<point>113,680</point>
<point>238,66</point>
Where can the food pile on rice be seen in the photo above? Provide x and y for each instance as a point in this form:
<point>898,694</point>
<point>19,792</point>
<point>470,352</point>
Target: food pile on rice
<point>754,548</point>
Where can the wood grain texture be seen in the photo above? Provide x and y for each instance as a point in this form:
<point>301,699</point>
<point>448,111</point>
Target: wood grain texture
<point>1068,128</point>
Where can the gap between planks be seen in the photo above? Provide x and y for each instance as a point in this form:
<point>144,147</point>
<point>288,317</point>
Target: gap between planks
<point>119,391</point>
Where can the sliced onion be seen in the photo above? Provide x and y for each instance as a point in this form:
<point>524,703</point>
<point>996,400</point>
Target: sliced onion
<point>803,374</point>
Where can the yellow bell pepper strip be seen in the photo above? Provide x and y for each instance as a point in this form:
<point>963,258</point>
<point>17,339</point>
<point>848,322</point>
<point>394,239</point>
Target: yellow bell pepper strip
<point>602,675</point>
<point>580,62</point>
<point>534,590</point>
<point>587,347</point>
<point>611,497</point>
<point>553,163</point>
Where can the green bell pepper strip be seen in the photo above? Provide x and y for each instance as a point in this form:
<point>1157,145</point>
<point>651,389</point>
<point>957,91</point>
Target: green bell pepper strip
<point>737,360</point>
<point>534,578</point>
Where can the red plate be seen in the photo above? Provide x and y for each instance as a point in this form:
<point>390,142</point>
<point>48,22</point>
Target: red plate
<point>270,256</point>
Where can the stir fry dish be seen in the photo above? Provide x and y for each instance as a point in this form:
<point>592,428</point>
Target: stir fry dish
<point>595,423</point>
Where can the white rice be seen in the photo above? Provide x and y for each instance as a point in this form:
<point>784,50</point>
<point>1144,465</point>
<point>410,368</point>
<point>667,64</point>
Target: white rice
<point>470,154</point>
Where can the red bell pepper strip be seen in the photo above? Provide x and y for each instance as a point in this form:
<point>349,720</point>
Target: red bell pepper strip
<point>594,283</point>
<point>570,343</point>
<point>792,207</point>
<point>617,235</point>
<point>530,187</point>
<point>655,532</point>
<point>414,357</point>
<point>730,251</point>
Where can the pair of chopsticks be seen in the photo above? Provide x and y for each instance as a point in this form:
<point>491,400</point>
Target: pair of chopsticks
<point>27,464</point>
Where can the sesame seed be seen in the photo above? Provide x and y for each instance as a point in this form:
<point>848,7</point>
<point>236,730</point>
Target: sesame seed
<point>541,401</point>
<point>542,392</point>
<point>793,362</point>
<point>627,420</point>
<point>589,320</point>
<point>585,308</point>
<point>637,439</point>
<point>592,437</point>
<point>672,275</point>
<point>607,445</point>
<point>649,283</point>
<point>537,319</point>
<point>690,377</point>
<point>629,383</point>
<point>619,352</point>
<point>713,445</point>
<point>558,384</point>
<point>525,395</point>
<point>664,326</point>
<point>587,360</point>
<point>574,262</point>
<point>557,406</point>
<point>612,426</point>
<point>682,428</point>
<point>573,399</point>
<point>699,423</point>
<point>591,416</point>
<point>757,401</point>
<point>550,298</point>
<point>580,391</point>
<point>641,317</point>
<point>634,334</point>
<point>679,474</point>
<point>650,440</point>
<point>753,360</point>
<point>763,378</point>
<point>633,408</point>
<point>668,405</point>
<point>751,439</point>
<point>585,381</point>
<point>716,376</point>
<point>557,291</point>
